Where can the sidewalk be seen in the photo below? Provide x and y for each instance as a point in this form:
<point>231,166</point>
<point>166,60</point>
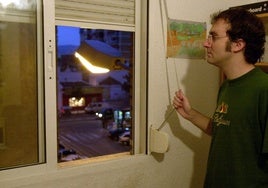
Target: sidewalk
<point>77,117</point>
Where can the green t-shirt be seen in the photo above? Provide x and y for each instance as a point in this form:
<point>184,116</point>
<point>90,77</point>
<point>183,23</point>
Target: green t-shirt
<point>236,157</point>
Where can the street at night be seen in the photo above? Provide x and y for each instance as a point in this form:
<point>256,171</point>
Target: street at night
<point>84,135</point>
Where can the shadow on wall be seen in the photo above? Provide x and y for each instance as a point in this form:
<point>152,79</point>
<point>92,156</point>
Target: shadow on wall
<point>196,89</point>
<point>199,146</point>
<point>198,82</point>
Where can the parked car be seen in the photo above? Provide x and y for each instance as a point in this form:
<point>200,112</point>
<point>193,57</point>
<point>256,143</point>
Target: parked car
<point>63,153</point>
<point>125,138</point>
<point>95,107</point>
<point>65,111</point>
<point>115,133</point>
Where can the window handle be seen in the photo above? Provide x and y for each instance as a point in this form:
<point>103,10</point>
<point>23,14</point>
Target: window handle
<point>50,59</point>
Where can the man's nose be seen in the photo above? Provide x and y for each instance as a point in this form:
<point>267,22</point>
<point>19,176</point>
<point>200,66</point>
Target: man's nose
<point>206,44</point>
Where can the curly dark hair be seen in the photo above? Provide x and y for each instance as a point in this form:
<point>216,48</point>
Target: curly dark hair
<point>247,26</point>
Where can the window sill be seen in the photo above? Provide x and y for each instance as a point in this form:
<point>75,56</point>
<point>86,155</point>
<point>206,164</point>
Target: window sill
<point>94,160</point>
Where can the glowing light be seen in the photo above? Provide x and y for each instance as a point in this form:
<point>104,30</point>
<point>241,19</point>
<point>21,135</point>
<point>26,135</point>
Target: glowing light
<point>89,66</point>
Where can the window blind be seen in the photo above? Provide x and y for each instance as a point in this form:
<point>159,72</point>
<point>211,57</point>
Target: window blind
<point>14,14</point>
<point>115,12</point>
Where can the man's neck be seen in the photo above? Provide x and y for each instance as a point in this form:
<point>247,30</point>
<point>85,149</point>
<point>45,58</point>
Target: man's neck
<point>237,70</point>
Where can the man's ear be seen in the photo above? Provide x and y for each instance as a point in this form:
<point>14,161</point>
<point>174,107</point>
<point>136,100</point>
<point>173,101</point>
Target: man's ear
<point>238,45</point>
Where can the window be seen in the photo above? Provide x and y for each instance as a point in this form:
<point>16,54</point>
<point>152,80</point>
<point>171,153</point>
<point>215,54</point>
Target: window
<point>28,78</point>
<point>95,108</point>
<point>110,18</point>
<point>21,125</point>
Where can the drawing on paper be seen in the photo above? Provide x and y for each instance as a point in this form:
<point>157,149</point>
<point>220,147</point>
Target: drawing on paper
<point>185,39</point>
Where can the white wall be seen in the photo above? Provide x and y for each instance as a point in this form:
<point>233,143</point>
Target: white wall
<point>189,147</point>
<point>184,164</point>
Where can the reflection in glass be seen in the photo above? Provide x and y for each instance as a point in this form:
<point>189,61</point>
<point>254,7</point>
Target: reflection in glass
<point>19,131</point>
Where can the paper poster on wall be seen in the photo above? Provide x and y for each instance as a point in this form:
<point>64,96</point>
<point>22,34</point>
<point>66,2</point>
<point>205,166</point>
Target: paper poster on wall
<point>185,39</point>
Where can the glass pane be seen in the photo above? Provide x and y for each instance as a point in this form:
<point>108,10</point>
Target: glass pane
<point>19,135</point>
<point>94,107</point>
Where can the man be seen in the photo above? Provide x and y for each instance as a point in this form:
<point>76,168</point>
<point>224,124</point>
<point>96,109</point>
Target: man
<point>237,156</point>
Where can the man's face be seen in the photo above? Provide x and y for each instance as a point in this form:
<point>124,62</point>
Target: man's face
<point>217,44</point>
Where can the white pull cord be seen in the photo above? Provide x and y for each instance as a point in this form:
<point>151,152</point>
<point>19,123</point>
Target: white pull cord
<point>177,78</point>
<point>165,120</point>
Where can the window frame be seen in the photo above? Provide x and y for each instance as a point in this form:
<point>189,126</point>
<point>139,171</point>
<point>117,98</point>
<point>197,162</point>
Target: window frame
<point>49,58</point>
<point>140,73</point>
